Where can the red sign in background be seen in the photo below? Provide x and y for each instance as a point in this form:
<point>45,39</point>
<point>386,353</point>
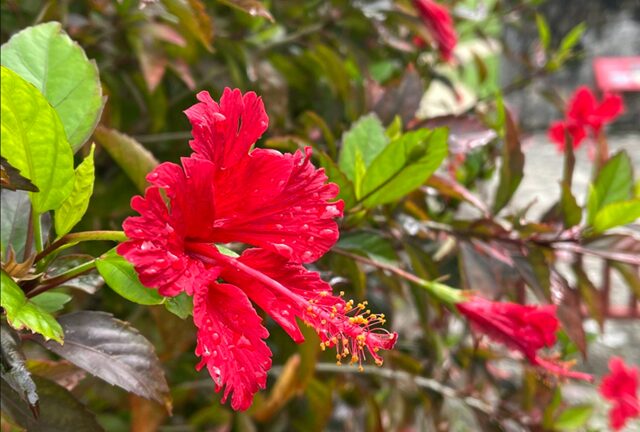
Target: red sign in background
<point>617,74</point>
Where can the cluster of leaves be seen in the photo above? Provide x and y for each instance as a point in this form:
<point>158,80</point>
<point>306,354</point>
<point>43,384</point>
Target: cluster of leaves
<point>344,78</point>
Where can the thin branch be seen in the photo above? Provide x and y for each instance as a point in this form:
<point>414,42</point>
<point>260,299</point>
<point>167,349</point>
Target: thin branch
<point>384,266</point>
<point>398,375</point>
<point>446,294</point>
<point>117,236</point>
<point>165,136</point>
<point>53,282</point>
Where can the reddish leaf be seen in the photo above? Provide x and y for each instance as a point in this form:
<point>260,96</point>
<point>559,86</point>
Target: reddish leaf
<point>466,132</point>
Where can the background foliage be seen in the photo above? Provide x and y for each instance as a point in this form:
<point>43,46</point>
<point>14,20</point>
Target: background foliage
<point>346,78</point>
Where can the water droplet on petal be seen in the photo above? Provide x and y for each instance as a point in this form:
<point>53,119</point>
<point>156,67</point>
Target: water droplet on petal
<point>283,249</point>
<point>327,233</point>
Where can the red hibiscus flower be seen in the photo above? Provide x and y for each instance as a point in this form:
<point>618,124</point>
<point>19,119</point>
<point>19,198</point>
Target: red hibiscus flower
<point>523,328</point>
<point>440,25</point>
<point>278,203</point>
<point>585,114</point>
<point>621,388</point>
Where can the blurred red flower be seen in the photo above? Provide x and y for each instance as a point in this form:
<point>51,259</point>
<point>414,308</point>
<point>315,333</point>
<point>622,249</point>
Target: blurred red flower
<point>621,388</point>
<point>584,113</point>
<point>440,25</point>
<point>280,203</point>
<point>523,328</point>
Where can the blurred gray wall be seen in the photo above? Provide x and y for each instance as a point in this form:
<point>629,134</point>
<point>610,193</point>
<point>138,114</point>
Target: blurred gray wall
<point>613,30</point>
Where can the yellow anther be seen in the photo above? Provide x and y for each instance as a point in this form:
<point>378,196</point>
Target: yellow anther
<point>360,368</point>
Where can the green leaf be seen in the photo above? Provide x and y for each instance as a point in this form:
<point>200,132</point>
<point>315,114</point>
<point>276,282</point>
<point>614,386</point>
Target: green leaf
<point>45,56</point>
<point>573,417</point>
<point>193,17</point>
<point>336,176</point>
<point>403,166</point>
<point>512,167</point>
<point>59,409</point>
<point>252,7</point>
<point>334,69</point>
<point>613,183</point>
<point>572,38</point>
<point>371,244</point>
<point>135,160</point>
<point>366,139</point>
<point>120,275</point>
<point>34,142</point>
<point>571,211</point>
<point>226,251</point>
<point>76,204</point>
<point>22,313</point>
<point>180,305</point>
<point>51,301</point>
<point>616,214</point>
<point>543,31</point>
<point>14,205</point>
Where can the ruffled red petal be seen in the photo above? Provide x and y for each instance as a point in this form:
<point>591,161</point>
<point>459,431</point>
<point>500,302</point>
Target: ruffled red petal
<point>287,291</point>
<point>582,105</point>
<point>223,133</point>
<point>620,387</point>
<point>294,277</point>
<point>556,134</point>
<point>522,328</point>
<point>611,107</point>
<point>231,342</point>
<point>156,248</point>
<point>438,21</point>
<point>279,202</point>
<point>158,236</point>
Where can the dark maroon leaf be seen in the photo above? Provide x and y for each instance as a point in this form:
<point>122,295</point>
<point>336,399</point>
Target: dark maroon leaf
<point>14,220</point>
<point>60,372</point>
<point>451,188</point>
<point>569,314</point>
<point>59,409</point>
<point>485,274</point>
<point>13,368</point>
<point>402,98</point>
<point>10,178</point>
<point>534,269</point>
<point>589,294</point>
<point>465,132</point>
<point>113,351</point>
<point>512,166</point>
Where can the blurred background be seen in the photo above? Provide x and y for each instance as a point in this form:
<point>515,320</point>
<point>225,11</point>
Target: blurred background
<point>320,66</point>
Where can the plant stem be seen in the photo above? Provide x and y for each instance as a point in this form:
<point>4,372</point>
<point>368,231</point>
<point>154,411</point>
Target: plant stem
<point>117,236</point>
<point>442,292</point>
<point>29,239</point>
<point>53,282</point>
<point>37,230</point>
